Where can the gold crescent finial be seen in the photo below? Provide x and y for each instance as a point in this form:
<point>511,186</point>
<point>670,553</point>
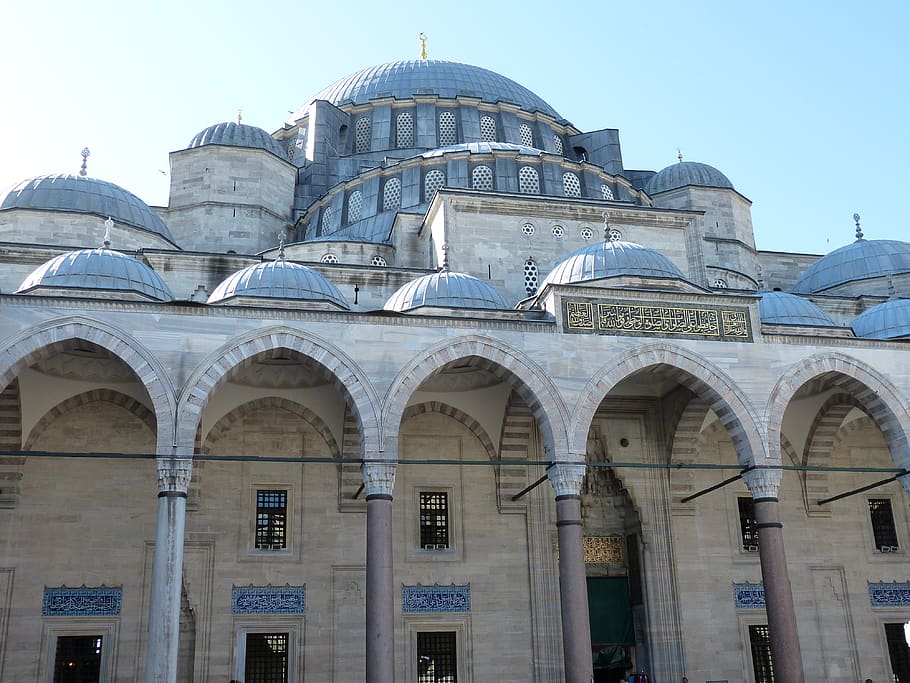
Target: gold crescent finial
<point>423,45</point>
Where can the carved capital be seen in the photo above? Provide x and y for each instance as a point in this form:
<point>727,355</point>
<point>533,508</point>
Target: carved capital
<point>174,474</point>
<point>378,478</point>
<point>763,482</point>
<point>567,477</point>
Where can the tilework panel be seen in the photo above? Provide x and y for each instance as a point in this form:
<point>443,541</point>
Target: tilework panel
<point>895,594</point>
<point>749,595</point>
<point>82,602</point>
<point>268,600</point>
<point>436,598</point>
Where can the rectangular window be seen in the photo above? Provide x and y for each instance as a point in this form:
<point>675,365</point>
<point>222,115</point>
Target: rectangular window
<point>271,519</point>
<point>436,658</point>
<point>748,527</point>
<point>77,659</point>
<point>434,520</point>
<point>266,658</point>
<point>883,524</point>
<point>760,643</point>
<point>898,652</point>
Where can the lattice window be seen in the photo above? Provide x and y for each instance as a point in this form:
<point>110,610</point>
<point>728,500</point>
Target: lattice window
<point>404,129</point>
<point>326,225</point>
<point>355,205</point>
<point>266,658</point>
<point>571,187</point>
<point>482,178</point>
<point>78,659</point>
<point>487,128</point>
<point>557,143</point>
<point>271,519</point>
<point>748,526</point>
<point>363,132</point>
<point>614,235</point>
<point>883,529</point>
<point>559,232</point>
<point>587,234</point>
<point>448,133</point>
<point>760,644</point>
<point>432,182</point>
<point>391,194</point>
<point>292,148</point>
<point>434,520</point>
<point>437,660</point>
<point>329,258</point>
<point>526,134</point>
<point>606,191</point>
<point>527,229</point>
<point>378,261</point>
<point>719,283</point>
<point>528,180</point>
<point>532,276</point>
<point>898,652</point>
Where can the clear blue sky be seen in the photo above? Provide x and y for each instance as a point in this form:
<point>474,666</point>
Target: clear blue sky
<point>804,105</point>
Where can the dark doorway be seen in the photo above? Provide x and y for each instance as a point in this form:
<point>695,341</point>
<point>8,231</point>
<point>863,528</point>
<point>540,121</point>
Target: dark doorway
<point>612,636</point>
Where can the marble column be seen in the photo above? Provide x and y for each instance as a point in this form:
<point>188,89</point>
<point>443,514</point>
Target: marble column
<point>566,478</point>
<point>379,480</point>
<point>785,653</point>
<point>167,570</point>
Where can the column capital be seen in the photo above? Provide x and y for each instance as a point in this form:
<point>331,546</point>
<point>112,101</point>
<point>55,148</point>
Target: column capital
<point>567,477</point>
<point>378,477</point>
<point>174,474</point>
<point>763,482</point>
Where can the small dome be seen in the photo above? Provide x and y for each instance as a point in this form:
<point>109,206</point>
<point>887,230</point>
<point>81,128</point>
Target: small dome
<point>687,173</point>
<point>78,194</point>
<point>861,260</point>
<point>781,308</point>
<point>97,269</point>
<point>611,259</point>
<point>279,280</point>
<point>890,320</point>
<point>482,148</point>
<point>446,290</point>
<point>237,135</point>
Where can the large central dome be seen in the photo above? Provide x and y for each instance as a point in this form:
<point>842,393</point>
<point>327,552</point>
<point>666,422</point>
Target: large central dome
<point>405,79</point>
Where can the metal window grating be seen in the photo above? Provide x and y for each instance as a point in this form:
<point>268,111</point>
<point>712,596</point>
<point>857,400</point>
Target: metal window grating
<point>488,129</point>
<point>760,643</point>
<point>363,130</point>
<point>898,652</point>
<point>606,192</point>
<point>447,129</point>
<point>526,134</point>
<point>571,187</point>
<point>557,143</point>
<point>434,519</point>
<point>482,178</point>
<point>528,180</point>
<point>404,129</point>
<point>882,519</point>
<point>747,525</point>
<point>391,194</point>
<point>77,659</point>
<point>436,657</point>
<point>271,519</point>
<point>532,276</point>
<point>266,658</point>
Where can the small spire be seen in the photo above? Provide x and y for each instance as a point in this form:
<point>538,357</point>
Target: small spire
<point>281,245</point>
<point>239,115</point>
<point>606,226</point>
<point>108,224</point>
<point>85,155</point>
<point>445,258</point>
<point>761,280</point>
<point>892,293</point>
<point>679,154</point>
<point>859,230</point>
<point>423,45</point>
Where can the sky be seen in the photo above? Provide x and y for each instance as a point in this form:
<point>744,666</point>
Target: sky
<point>804,105</point>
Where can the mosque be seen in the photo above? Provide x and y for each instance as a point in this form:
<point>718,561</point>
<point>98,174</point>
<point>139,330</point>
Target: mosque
<point>428,385</point>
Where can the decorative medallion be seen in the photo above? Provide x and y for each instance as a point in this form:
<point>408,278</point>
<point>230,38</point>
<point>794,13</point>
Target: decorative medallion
<point>436,598</point>
<point>749,595</point>
<point>82,602</point>
<point>268,599</point>
<point>895,594</point>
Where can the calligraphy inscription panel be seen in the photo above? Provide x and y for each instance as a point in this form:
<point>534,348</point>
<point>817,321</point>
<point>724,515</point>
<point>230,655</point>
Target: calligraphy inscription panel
<point>654,319</point>
<point>603,549</point>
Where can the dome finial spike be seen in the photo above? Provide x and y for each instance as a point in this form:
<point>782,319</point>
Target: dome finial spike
<point>108,224</point>
<point>859,231</point>
<point>892,293</point>
<point>445,258</point>
<point>423,45</point>
<point>606,216</point>
<point>281,245</point>
<point>239,115</point>
<point>85,155</point>
<point>679,154</point>
<point>761,280</point>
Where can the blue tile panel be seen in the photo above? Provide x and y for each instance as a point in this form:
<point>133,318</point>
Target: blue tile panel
<point>889,594</point>
<point>860,260</point>
<point>436,598</point>
<point>749,595</point>
<point>890,320</point>
<point>268,600</point>
<point>82,602</point>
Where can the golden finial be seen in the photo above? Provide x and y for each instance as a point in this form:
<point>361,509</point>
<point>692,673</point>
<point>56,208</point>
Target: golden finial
<point>239,115</point>
<point>679,154</point>
<point>423,45</point>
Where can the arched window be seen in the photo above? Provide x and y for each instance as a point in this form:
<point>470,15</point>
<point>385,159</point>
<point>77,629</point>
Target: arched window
<point>571,187</point>
<point>378,261</point>
<point>432,182</point>
<point>532,276</point>
<point>326,225</point>
<point>526,134</point>
<point>355,203</point>
<point>557,143</point>
<point>404,129</point>
<point>528,180</point>
<point>482,178</point>
<point>447,130</point>
<point>487,128</point>
<point>329,258</point>
<point>391,194</point>
<point>606,192</point>
<point>363,131</point>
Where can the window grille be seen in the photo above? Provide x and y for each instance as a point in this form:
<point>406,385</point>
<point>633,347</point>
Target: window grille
<point>432,182</point>
<point>266,658</point>
<point>571,187</point>
<point>378,261</point>
<point>488,129</point>
<point>391,194</point>
<point>404,129</point>
<point>434,520</point>
<point>329,258</point>
<point>326,225</point>
<point>447,131</point>
<point>290,151</point>
<point>760,643</point>
<point>436,657</point>
<point>363,131</point>
<point>355,205</point>
<point>748,527</point>
<point>898,652</point>
<point>606,192</point>
<point>482,178</point>
<point>720,283</point>
<point>557,143</point>
<point>883,523</point>
<point>527,229</point>
<point>614,235</point>
<point>587,234</point>
<point>526,134</point>
<point>532,276</point>
<point>528,180</point>
<point>77,659</point>
<point>271,519</point>
<point>559,232</point>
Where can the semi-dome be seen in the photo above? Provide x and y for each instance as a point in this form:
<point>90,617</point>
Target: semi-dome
<point>279,279</point>
<point>482,148</point>
<point>97,270</point>
<point>782,308</point>
<point>405,79</point>
<point>890,320</point>
<point>446,289</point>
<point>861,260</point>
<point>79,194</point>
<point>237,135</point>
<point>686,173</point>
<point>611,259</point>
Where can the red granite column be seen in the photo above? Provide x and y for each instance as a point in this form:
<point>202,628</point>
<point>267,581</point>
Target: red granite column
<point>379,480</point>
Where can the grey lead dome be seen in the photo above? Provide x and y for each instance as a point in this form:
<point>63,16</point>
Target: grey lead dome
<point>890,320</point>
<point>279,280</point>
<point>861,260</point>
<point>446,290</point>
<point>687,173</point>
<point>237,135</point>
<point>781,308</point>
<point>611,259</point>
